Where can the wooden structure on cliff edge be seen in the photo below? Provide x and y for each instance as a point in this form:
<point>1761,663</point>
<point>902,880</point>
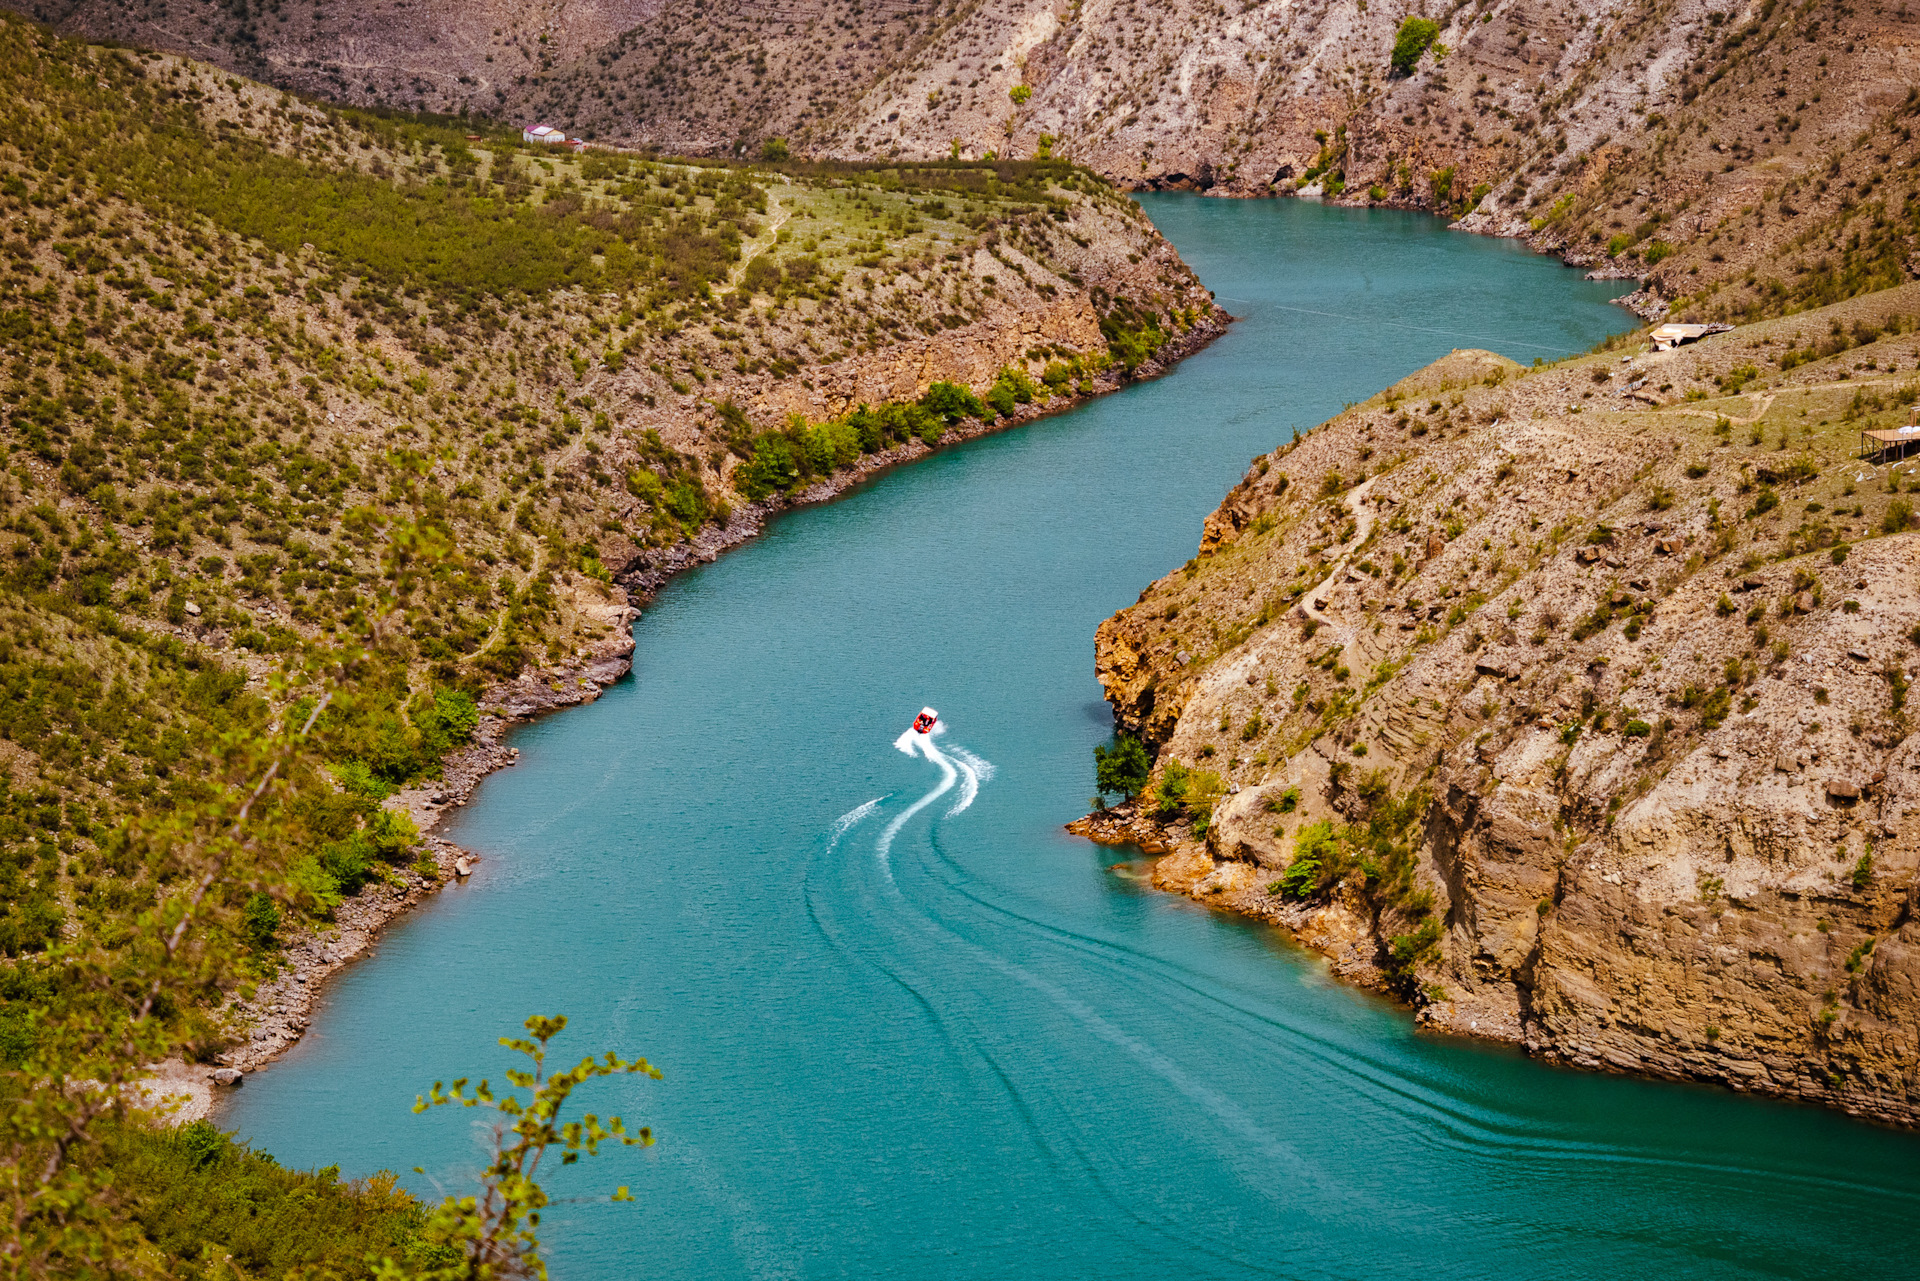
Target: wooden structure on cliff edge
<point>1890,445</point>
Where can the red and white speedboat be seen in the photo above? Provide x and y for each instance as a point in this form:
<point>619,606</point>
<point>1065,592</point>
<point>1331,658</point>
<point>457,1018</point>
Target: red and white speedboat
<point>925,721</point>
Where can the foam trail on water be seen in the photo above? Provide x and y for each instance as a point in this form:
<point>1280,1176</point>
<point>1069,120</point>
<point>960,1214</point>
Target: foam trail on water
<point>974,770</point>
<point>948,777</point>
<point>852,818</point>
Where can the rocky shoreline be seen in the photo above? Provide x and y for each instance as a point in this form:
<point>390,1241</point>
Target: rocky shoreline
<point>280,1010</point>
<point>1578,723</point>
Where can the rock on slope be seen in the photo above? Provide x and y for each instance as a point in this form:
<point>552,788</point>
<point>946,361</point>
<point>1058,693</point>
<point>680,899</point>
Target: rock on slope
<point>1581,719</point>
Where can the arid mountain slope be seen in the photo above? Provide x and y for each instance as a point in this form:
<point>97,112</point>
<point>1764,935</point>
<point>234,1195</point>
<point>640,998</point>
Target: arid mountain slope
<point>1699,140</point>
<point>303,402</point>
<point>1572,704</point>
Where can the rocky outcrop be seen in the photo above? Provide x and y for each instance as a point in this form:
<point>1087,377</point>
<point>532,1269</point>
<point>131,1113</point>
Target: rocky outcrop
<point>1590,713</point>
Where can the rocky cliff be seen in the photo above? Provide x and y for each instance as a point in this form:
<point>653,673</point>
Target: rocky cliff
<point>1571,704</point>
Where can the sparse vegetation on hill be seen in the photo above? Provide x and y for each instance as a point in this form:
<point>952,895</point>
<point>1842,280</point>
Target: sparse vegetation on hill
<point>319,424</point>
<point>1571,702</point>
<point>1750,159</point>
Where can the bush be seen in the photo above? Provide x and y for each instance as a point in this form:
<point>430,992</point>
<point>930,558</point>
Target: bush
<point>1122,769</point>
<point>770,468</point>
<point>192,1189</point>
<point>1016,385</point>
<point>951,402</point>
<point>1415,37</point>
<point>1133,335</point>
<point>1899,516</point>
<point>260,921</point>
<point>446,719</point>
<point>1316,851</point>
<point>1410,950</point>
<point>1171,792</point>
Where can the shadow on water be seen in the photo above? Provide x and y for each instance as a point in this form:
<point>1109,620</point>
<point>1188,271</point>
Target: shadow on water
<point>922,1038</point>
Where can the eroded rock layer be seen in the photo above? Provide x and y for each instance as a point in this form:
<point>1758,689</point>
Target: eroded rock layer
<point>1572,704</point>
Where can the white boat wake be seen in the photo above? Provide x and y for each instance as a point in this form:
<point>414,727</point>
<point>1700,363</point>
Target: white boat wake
<point>959,768</point>
<point>973,772</point>
<point>852,819</point>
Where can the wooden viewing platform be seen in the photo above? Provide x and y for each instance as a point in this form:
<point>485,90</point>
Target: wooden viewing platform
<point>1889,444</point>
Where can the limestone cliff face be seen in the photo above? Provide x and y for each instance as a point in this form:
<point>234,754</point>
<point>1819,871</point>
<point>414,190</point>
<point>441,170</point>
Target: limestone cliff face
<point>1601,693</point>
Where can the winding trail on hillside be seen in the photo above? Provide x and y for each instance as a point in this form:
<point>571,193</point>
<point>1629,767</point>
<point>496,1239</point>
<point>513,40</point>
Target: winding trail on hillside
<point>753,248</point>
<point>1356,502</point>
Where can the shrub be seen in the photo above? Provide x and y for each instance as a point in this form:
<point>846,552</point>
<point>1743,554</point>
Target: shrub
<point>446,718</point>
<point>195,1193</point>
<point>1285,803</point>
<point>951,402</point>
<point>260,921</point>
<point>1899,516</point>
<point>1410,950</point>
<point>1315,851</point>
<point>1020,94</point>
<point>1018,385</point>
<point>1133,334</point>
<point>770,468</point>
<point>1171,791</point>
<point>1415,37</point>
<point>774,150</point>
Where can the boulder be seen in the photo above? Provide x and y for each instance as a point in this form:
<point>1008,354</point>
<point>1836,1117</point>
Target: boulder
<point>226,1076</point>
<point>1840,789</point>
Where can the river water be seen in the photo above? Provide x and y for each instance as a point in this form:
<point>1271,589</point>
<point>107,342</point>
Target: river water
<point>948,1039</point>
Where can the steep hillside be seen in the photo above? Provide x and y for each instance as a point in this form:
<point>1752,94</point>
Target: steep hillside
<point>334,440</point>
<point>1732,151</point>
<point>1571,704</point>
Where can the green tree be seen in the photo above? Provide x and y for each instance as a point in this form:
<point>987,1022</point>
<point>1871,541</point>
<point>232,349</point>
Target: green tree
<point>1415,37</point>
<point>1122,769</point>
<point>493,1234</point>
<point>119,1008</point>
<point>771,467</point>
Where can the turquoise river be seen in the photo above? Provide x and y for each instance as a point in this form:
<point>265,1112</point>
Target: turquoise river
<point>950,1040</point>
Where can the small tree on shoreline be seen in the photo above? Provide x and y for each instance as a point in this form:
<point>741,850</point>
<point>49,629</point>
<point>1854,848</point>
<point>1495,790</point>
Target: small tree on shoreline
<point>494,1234</point>
<point>1122,769</point>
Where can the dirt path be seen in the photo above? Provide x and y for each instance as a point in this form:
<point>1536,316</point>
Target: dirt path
<point>753,248</point>
<point>1363,518</point>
